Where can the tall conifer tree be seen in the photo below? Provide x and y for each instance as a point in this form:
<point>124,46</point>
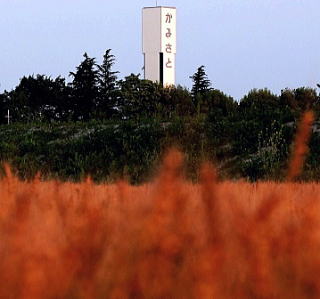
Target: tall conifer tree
<point>85,88</point>
<point>201,83</point>
<point>107,84</point>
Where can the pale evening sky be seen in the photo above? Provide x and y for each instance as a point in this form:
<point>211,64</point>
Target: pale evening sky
<point>244,44</point>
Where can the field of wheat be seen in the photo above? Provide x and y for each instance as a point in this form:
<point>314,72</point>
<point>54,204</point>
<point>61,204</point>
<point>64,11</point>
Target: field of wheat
<point>165,239</point>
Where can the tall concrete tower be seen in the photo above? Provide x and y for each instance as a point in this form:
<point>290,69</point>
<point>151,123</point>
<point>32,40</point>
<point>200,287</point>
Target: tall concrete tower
<point>159,44</point>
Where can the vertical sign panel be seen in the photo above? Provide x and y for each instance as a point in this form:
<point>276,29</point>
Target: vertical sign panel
<point>169,44</point>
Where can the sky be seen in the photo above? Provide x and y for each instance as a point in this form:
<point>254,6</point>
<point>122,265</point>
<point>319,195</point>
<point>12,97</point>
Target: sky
<point>243,44</point>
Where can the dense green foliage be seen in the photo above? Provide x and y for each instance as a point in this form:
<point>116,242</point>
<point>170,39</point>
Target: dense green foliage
<point>108,128</point>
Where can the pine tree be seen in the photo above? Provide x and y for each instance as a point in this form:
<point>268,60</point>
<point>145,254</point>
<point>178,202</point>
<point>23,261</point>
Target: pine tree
<point>84,88</point>
<point>201,83</point>
<point>107,84</point>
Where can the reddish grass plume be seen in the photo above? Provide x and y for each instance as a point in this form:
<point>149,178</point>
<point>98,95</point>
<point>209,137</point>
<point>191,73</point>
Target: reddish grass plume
<point>165,239</point>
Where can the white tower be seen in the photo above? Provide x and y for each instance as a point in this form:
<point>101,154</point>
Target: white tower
<point>159,28</point>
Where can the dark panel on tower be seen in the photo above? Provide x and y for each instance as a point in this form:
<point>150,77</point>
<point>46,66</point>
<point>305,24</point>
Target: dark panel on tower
<point>161,67</point>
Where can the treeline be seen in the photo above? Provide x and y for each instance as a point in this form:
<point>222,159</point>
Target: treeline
<point>106,127</point>
<point>96,93</point>
<point>93,93</point>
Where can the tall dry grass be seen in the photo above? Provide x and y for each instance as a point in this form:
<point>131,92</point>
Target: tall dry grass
<point>301,145</point>
<point>166,239</point>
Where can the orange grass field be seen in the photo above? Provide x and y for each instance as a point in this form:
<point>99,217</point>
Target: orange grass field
<point>166,239</point>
